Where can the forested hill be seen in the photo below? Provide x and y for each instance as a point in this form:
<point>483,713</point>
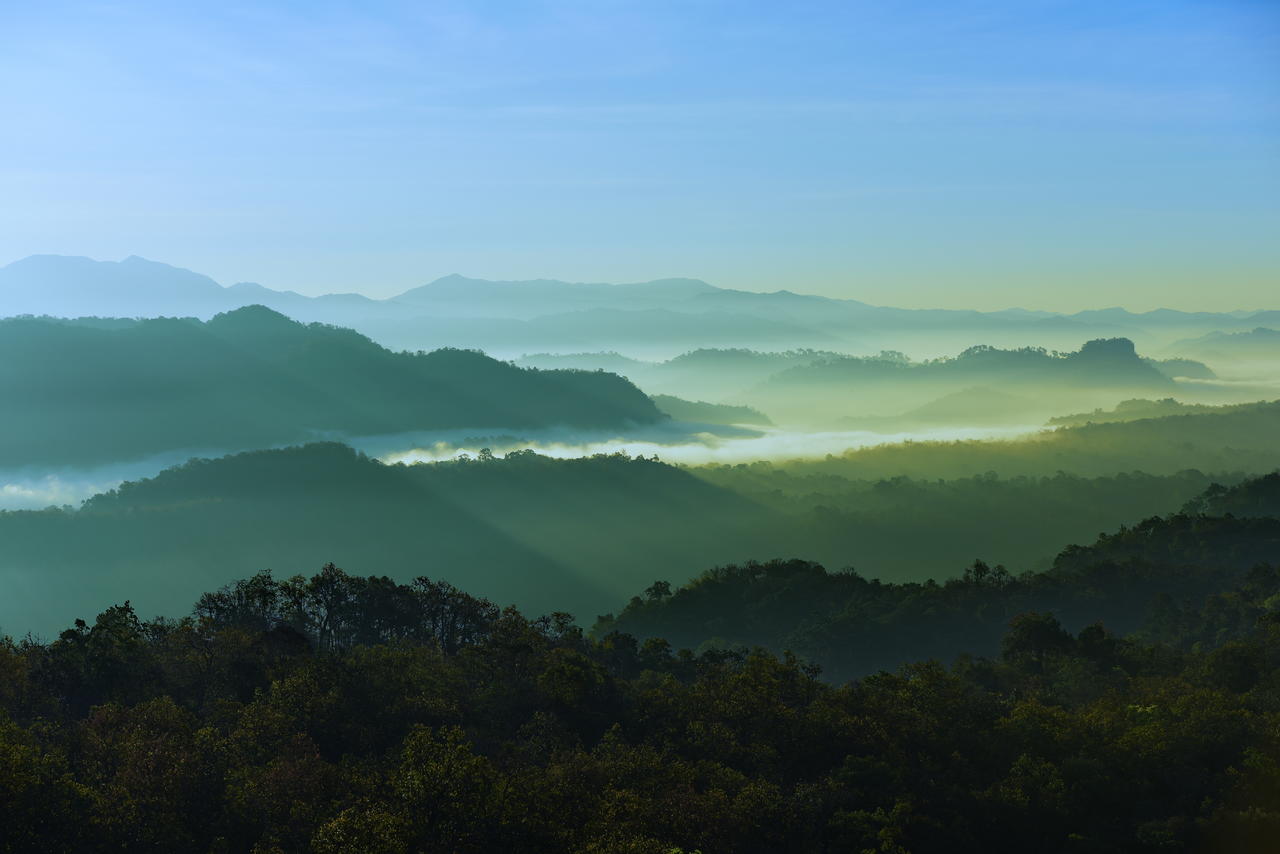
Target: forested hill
<point>1155,577</point>
<point>1256,497</point>
<point>546,534</point>
<point>94,392</point>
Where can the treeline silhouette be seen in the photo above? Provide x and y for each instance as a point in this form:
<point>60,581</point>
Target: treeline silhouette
<point>338,713</point>
<point>1148,579</point>
<point>96,391</point>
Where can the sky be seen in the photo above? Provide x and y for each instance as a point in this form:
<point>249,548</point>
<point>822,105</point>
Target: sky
<point>1050,155</point>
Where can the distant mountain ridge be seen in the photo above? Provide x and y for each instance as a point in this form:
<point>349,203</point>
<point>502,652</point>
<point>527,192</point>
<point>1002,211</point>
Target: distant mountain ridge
<point>1257,343</point>
<point>459,311</point>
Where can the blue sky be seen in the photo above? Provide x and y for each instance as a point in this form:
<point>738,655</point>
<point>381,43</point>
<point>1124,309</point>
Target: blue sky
<point>1055,155</point>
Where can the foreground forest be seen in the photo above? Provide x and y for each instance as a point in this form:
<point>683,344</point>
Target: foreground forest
<point>338,713</point>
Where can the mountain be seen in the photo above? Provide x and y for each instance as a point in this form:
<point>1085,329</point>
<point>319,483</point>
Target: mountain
<point>1150,577</point>
<point>1157,317</point>
<point>975,406</point>
<point>665,316</point>
<point>1258,343</point>
<point>1182,368</point>
<point>70,286</point>
<point>576,534</point>
<point>609,361</point>
<point>981,386</point>
<point>716,373</point>
<point>667,329</point>
<point>79,392</point>
<point>860,387</point>
<point>73,286</point>
<point>542,533</point>
<point>700,411</point>
<point>707,373</point>
<point>462,296</point>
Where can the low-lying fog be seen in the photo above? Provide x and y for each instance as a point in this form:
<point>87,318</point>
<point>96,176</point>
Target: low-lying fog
<point>724,445</point>
<point>33,488</point>
<point>675,442</point>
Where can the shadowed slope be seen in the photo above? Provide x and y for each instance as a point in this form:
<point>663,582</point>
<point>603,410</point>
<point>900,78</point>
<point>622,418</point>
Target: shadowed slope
<point>545,534</point>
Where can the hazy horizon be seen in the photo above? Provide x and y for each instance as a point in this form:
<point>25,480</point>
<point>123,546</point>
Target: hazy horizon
<point>1052,156</point>
<point>387,292</point>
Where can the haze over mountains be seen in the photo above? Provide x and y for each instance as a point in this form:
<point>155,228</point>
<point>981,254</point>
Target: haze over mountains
<point>889,392</point>
<point>662,317</point>
<point>246,368</point>
<point>848,386</point>
<point>1260,343</point>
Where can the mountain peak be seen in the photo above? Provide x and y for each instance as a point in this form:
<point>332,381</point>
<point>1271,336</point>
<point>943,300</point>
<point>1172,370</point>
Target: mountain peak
<point>252,318</point>
<point>1109,348</point>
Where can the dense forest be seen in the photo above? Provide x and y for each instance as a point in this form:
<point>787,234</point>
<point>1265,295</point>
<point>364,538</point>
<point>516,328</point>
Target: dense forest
<point>80,393</point>
<point>344,713</point>
<point>1019,521</point>
<point>1147,578</point>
